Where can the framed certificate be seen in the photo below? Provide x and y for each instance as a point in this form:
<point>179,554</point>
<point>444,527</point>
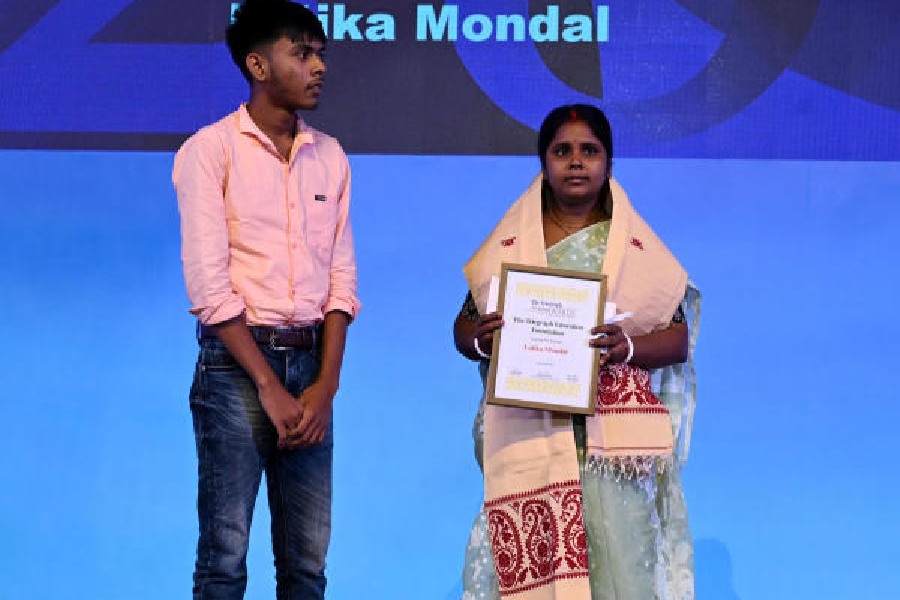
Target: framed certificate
<point>541,357</point>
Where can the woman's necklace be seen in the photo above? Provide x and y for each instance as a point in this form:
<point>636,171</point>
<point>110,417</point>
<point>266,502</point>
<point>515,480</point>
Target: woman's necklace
<point>551,212</point>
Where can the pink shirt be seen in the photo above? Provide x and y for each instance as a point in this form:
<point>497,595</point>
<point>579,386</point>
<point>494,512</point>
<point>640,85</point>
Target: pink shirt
<point>262,235</point>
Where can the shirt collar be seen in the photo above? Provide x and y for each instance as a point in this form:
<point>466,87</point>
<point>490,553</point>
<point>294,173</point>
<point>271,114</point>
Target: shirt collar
<point>246,125</point>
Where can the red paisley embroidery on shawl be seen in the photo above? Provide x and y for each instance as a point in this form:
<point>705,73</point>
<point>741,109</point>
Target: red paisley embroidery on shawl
<point>624,384</point>
<point>574,536</point>
<point>550,522</point>
<point>543,537</point>
<point>506,546</point>
<point>612,385</point>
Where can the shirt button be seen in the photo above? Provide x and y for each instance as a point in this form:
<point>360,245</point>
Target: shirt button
<point>293,205</point>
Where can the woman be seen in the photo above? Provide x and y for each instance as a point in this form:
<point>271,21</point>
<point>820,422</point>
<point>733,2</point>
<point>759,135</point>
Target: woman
<point>590,507</point>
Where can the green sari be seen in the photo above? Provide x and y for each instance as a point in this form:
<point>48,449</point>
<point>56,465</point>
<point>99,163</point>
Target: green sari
<point>639,540</point>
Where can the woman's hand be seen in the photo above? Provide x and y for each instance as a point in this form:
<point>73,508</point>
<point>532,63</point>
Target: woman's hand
<point>484,331</point>
<point>660,348</point>
<point>611,342</point>
<point>466,331</point>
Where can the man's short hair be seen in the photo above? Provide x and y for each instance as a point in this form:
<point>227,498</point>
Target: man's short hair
<point>259,22</point>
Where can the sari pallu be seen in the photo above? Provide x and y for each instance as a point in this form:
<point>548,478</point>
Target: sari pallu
<point>533,518</point>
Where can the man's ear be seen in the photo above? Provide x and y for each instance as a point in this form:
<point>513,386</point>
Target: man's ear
<point>257,66</point>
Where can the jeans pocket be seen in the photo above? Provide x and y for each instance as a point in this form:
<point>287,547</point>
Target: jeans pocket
<point>214,363</point>
<point>196,383</point>
<point>214,356</point>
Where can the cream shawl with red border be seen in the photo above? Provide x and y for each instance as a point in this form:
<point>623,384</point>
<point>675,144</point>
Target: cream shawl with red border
<point>532,486</point>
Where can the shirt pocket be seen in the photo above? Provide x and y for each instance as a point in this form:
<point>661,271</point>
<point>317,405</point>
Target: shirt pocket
<point>322,213</point>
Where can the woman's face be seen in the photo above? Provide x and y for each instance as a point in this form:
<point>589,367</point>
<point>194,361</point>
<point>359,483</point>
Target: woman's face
<point>575,165</point>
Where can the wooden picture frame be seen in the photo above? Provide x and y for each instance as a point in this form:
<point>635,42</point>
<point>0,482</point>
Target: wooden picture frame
<point>541,354</point>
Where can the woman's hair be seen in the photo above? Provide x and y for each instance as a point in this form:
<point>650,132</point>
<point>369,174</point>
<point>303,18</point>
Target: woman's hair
<point>591,115</point>
<point>258,22</point>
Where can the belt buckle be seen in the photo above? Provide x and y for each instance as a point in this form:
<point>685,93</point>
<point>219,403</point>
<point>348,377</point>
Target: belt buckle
<point>272,343</point>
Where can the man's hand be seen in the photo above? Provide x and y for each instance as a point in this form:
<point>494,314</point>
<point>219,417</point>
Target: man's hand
<point>317,399</point>
<point>283,410</point>
<point>316,402</point>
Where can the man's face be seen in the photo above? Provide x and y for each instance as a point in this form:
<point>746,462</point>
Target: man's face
<point>297,73</point>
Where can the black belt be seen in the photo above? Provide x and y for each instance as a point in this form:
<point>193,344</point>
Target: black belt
<point>277,337</point>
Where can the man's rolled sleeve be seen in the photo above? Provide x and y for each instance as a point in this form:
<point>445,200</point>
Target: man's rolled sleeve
<point>342,293</point>
<point>199,178</point>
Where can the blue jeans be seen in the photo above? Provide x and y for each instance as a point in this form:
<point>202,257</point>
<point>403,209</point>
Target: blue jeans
<point>236,443</point>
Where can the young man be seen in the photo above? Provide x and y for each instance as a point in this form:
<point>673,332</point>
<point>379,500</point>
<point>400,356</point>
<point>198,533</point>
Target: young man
<point>271,276</point>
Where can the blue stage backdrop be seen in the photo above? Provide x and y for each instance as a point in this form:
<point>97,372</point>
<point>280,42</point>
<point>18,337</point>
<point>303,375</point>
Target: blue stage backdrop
<point>758,137</point>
